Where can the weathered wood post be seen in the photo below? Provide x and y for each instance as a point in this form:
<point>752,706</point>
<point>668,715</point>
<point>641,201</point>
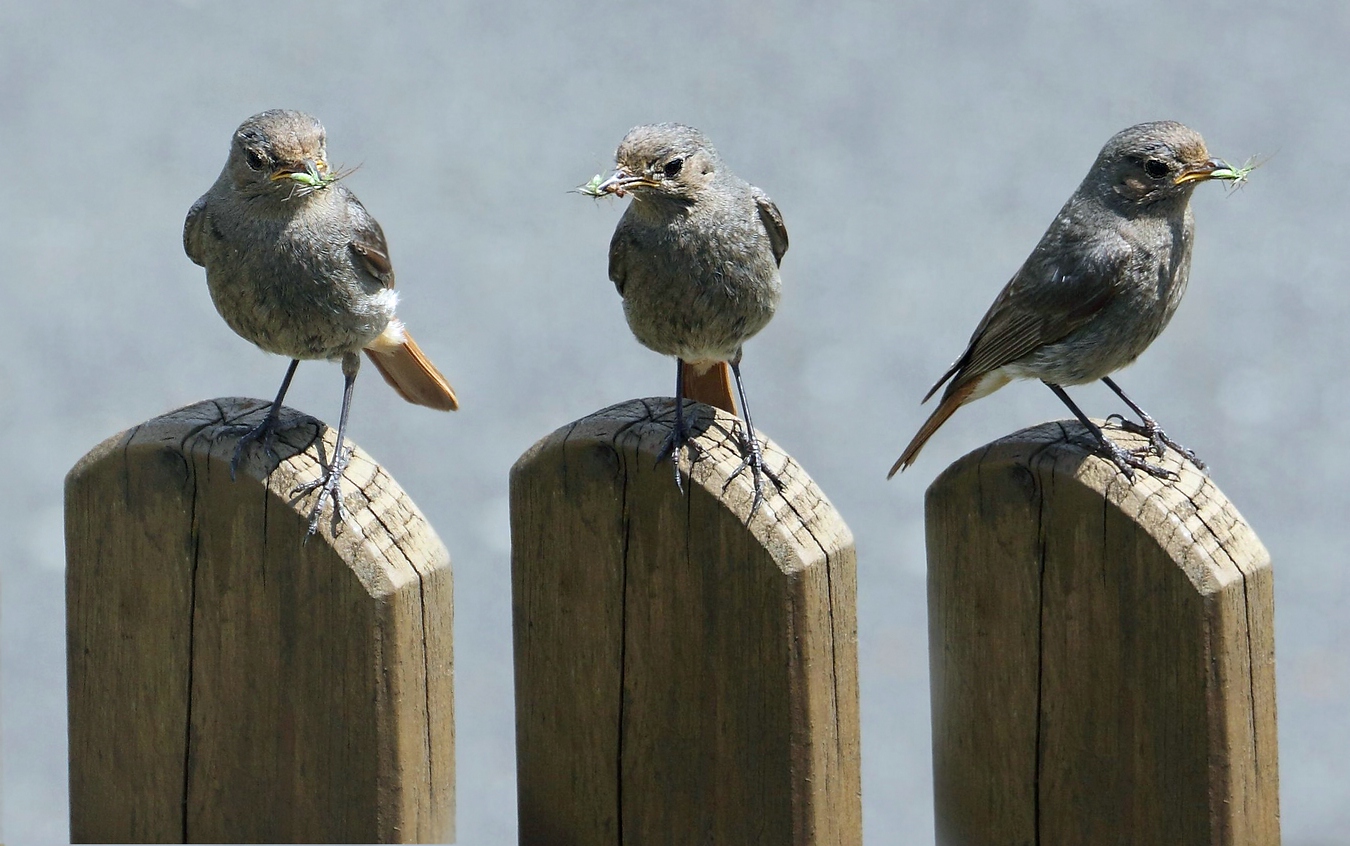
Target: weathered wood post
<point>229,683</point>
<point>1102,653</point>
<point>681,677</point>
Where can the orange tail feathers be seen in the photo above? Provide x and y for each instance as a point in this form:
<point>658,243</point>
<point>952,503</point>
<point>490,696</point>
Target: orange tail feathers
<point>407,369</point>
<point>945,409</point>
<point>712,386</point>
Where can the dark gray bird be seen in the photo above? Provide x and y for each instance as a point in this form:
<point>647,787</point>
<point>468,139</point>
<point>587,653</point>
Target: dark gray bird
<point>296,265</point>
<point>695,258</point>
<point>1102,283</point>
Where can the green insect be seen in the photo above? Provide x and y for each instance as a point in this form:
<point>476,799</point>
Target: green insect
<point>1235,176</point>
<point>592,188</point>
<point>314,181</point>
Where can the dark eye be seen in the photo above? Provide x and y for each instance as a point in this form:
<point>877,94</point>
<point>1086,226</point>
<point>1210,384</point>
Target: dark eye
<point>254,158</point>
<point>1156,168</point>
<point>672,168</point>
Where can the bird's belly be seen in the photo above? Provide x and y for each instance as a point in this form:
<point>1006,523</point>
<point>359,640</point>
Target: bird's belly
<point>699,322</point>
<point>313,319</point>
<point>1111,341</point>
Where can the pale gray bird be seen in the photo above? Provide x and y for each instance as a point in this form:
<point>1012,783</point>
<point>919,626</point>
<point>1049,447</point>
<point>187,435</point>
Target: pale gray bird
<point>1102,283</point>
<point>296,265</point>
<point>695,258</point>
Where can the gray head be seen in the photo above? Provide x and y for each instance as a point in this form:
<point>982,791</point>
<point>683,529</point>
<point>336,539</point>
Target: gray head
<point>663,160</point>
<point>1153,163</point>
<point>277,151</point>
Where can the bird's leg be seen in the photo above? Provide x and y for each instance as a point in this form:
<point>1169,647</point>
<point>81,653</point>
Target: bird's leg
<point>1149,428</point>
<point>329,483</point>
<point>1125,460</point>
<point>752,454</point>
<point>679,433</point>
<point>266,431</point>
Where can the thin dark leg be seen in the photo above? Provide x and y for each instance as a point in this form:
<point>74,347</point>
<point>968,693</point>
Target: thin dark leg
<point>1151,430</point>
<point>752,454</point>
<point>329,484</point>
<point>266,431</point>
<point>1124,460</point>
<point>679,433</point>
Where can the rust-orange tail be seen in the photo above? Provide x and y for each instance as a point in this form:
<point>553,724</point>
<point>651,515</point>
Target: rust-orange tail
<point>945,409</point>
<point>712,386</point>
<point>407,369</point>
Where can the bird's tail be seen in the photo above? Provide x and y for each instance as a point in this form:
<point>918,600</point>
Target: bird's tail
<point>407,369</point>
<point>711,385</point>
<point>957,395</point>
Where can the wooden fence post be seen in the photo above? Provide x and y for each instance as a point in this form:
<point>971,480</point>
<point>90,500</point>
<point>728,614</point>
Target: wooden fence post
<point>681,677</point>
<point>1102,653</point>
<point>229,683</point>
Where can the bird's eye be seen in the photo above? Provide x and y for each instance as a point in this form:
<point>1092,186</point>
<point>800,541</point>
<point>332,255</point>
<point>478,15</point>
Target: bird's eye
<point>1156,168</point>
<point>672,168</point>
<point>254,158</point>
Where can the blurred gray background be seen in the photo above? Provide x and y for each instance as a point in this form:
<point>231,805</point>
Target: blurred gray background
<point>917,151</point>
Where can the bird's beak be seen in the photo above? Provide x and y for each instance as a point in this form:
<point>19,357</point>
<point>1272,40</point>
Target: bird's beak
<point>308,171</point>
<point>622,181</point>
<point>1212,169</point>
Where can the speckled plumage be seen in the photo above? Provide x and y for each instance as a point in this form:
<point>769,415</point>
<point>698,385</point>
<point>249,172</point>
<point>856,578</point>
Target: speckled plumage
<point>268,250</point>
<point>697,265</point>
<point>695,258</point>
<point>1102,283</point>
<point>296,265</point>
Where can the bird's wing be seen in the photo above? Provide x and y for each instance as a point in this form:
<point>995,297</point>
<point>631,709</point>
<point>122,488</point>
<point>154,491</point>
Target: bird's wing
<point>1061,286</point>
<point>773,223</point>
<point>194,230</point>
<point>618,258</point>
<point>368,244</point>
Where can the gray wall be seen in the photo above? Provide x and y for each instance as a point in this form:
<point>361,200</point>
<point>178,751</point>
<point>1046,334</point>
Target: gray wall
<point>917,151</point>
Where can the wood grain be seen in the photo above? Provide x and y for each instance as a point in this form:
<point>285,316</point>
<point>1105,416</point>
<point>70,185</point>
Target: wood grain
<point>681,676</point>
<point>1102,653</point>
<point>229,683</point>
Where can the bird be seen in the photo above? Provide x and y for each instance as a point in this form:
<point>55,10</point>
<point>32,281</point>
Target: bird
<point>695,258</point>
<point>297,266</point>
<point>1100,286</point>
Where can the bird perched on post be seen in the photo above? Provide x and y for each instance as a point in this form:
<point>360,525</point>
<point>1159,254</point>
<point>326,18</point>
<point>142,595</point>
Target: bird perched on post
<point>1102,283</point>
<point>695,258</point>
<point>296,265</point>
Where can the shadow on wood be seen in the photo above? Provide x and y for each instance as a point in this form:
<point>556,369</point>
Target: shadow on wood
<point>1102,653</point>
<point>681,677</point>
<point>228,683</point>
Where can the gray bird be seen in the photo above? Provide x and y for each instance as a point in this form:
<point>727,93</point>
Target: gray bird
<point>296,265</point>
<point>695,258</point>
<point>1102,283</point>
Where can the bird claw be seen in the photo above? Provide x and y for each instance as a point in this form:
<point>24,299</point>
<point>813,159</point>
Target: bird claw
<point>1127,461</point>
<point>329,484</point>
<point>677,439</point>
<point>1158,440</point>
<point>264,433</point>
<point>752,456</point>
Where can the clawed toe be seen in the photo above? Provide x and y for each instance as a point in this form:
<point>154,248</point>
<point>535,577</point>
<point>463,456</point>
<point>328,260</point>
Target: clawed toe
<point>752,456</point>
<point>1127,461</point>
<point>677,440</point>
<point>1158,440</point>
<point>265,433</point>
<point>329,486</point>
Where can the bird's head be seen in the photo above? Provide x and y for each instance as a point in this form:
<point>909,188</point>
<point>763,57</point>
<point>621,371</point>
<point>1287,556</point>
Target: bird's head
<point>280,153</point>
<point>1156,162</point>
<point>664,160</point>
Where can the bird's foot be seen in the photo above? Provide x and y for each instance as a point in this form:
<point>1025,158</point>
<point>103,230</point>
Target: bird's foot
<point>752,456</point>
<point>329,485</point>
<point>676,440</point>
<point>1158,440</point>
<point>1127,461</point>
<point>264,433</point>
